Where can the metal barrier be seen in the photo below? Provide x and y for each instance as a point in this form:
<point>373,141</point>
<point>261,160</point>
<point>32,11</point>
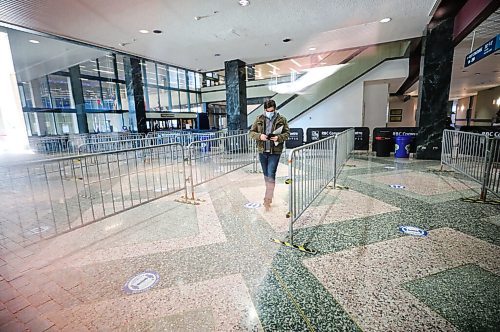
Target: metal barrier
<point>311,168</point>
<point>473,155</point>
<point>212,158</point>
<point>43,198</point>
<point>492,174</point>
<point>110,146</point>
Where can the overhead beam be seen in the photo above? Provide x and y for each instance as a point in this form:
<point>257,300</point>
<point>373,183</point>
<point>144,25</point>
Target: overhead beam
<point>473,13</point>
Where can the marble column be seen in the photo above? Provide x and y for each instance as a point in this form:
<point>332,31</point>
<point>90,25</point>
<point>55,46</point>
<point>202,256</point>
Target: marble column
<point>77,91</point>
<point>434,87</point>
<point>135,93</point>
<point>236,95</point>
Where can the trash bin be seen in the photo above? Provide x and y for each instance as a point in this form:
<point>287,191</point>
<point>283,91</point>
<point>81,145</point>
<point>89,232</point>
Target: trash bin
<point>383,146</point>
<point>402,146</point>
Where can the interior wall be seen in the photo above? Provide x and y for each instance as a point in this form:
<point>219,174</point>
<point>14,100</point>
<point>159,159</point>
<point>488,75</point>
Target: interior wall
<point>375,104</point>
<point>345,108</point>
<point>408,107</point>
<point>461,112</point>
<point>485,109</point>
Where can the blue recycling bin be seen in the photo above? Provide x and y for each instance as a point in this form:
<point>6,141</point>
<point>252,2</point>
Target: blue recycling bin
<point>402,146</point>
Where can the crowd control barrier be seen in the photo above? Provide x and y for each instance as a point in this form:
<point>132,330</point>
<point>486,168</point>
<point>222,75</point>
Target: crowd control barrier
<point>474,155</point>
<point>312,167</point>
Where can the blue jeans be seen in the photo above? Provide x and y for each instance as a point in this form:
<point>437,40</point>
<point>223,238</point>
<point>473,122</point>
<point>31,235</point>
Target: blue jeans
<point>269,163</point>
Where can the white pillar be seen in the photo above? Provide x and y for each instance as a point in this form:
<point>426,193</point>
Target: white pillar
<point>13,135</point>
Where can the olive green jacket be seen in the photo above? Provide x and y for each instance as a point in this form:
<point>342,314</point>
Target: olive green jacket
<point>258,129</point>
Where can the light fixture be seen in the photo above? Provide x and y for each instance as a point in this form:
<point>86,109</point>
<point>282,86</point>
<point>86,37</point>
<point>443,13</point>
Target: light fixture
<point>157,31</point>
<point>34,41</point>
<point>244,3</point>
<point>217,54</point>
<point>144,31</point>
<point>385,20</point>
<point>312,48</point>
<point>287,40</point>
<point>496,102</point>
<point>273,66</point>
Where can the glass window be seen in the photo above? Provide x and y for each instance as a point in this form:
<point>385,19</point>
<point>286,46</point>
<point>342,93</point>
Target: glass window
<point>164,99</point>
<point>162,75</point>
<point>114,122</point>
<point>182,79</point>
<point>175,100</point>
<point>109,100</point>
<point>153,103</point>
<point>150,69</point>
<point>106,66</point>
<point>191,81</point>
<point>60,91</point>
<point>172,77</point>
<point>199,78</point>
<point>46,123</point>
<point>183,101</point>
<point>41,92</point>
<point>124,96</point>
<point>27,95</point>
<point>89,68</point>
<point>97,122</point>
<point>66,123</point>
<point>121,67</point>
<point>192,99</point>
<point>92,94</point>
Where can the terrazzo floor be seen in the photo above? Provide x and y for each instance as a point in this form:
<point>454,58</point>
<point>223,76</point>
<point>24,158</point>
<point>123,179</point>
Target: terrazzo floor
<point>213,266</point>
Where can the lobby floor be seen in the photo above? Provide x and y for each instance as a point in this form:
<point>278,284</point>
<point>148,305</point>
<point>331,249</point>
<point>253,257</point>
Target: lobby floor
<point>169,266</point>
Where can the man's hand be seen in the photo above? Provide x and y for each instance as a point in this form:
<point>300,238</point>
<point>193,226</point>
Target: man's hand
<point>263,137</point>
<point>274,138</point>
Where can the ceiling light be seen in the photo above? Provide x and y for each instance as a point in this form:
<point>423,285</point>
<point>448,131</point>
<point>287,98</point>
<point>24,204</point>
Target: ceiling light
<point>286,40</point>
<point>157,31</point>
<point>33,41</point>
<point>244,3</point>
<point>217,54</point>
<point>143,31</point>
<point>273,66</point>
<point>385,20</point>
<point>312,48</point>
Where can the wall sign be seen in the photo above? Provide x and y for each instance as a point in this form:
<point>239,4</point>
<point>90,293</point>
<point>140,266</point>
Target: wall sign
<point>361,135</point>
<point>412,230</point>
<point>482,52</point>
<point>296,138</point>
<point>493,131</point>
<point>141,282</point>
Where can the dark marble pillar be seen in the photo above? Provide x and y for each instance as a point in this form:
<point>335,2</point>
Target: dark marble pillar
<point>434,87</point>
<point>236,95</point>
<point>135,93</point>
<point>77,91</point>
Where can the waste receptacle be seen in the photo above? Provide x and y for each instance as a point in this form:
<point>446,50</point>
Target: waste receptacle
<point>384,146</point>
<point>402,146</point>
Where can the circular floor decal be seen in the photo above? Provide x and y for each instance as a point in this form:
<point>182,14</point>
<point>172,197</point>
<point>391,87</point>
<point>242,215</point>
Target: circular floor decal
<point>412,230</point>
<point>397,186</point>
<point>252,205</point>
<point>38,230</point>
<point>141,282</point>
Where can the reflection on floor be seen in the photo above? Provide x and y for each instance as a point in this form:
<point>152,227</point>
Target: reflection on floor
<point>212,267</point>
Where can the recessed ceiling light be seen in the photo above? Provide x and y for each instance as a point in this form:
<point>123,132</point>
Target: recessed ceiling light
<point>143,31</point>
<point>385,20</point>
<point>312,48</point>
<point>244,3</point>
<point>286,40</point>
<point>157,31</point>
<point>217,54</point>
<point>33,41</point>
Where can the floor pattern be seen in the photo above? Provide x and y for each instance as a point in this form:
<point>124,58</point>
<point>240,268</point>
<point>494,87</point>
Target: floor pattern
<point>215,267</point>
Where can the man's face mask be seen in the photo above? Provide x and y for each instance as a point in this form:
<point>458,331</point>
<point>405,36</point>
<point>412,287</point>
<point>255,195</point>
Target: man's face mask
<point>270,112</point>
